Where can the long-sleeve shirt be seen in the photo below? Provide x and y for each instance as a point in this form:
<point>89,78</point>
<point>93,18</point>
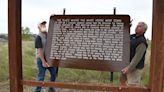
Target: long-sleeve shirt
<point>140,50</point>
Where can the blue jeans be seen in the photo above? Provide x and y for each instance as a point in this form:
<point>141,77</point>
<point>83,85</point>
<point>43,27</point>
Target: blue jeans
<point>41,74</point>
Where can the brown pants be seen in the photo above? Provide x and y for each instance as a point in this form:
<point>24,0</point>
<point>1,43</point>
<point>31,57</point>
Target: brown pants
<point>132,78</point>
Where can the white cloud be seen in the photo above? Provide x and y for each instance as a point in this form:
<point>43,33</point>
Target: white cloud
<point>3,16</point>
<point>35,10</point>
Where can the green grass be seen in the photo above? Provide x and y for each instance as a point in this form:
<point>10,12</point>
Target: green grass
<point>29,65</point>
<point>4,75</point>
<point>65,74</point>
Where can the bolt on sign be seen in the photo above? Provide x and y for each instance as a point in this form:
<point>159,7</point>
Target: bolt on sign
<point>94,42</point>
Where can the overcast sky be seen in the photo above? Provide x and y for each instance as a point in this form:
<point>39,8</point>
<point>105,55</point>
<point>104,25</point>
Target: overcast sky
<point>34,11</point>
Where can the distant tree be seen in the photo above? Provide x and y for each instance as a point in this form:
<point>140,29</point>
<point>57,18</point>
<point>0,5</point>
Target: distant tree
<point>26,34</point>
<point>3,36</point>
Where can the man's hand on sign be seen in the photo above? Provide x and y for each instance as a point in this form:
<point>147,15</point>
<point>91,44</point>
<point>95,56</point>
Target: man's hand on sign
<point>125,70</point>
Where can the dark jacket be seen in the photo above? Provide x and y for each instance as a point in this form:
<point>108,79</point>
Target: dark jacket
<point>135,41</point>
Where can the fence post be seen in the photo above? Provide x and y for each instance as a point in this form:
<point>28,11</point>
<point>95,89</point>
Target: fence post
<point>15,45</point>
<point>157,51</point>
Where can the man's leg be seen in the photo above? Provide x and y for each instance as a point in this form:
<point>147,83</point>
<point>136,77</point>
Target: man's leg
<point>52,71</point>
<point>41,74</point>
<point>134,77</point>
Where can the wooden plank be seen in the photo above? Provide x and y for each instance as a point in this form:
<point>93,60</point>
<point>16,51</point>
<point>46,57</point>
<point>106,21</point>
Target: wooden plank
<point>157,54</point>
<point>86,86</point>
<point>84,64</point>
<point>15,47</point>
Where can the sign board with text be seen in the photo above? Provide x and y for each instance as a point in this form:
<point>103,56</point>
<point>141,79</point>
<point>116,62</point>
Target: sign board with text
<point>95,42</point>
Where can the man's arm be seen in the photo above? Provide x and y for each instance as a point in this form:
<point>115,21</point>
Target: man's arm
<point>41,56</point>
<point>38,46</point>
<point>140,50</point>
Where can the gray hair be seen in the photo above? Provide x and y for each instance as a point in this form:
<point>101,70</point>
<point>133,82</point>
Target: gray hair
<point>144,24</point>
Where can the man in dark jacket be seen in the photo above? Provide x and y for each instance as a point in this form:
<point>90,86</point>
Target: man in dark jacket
<point>138,46</point>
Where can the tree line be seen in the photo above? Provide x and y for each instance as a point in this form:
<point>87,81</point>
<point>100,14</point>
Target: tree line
<point>26,35</point>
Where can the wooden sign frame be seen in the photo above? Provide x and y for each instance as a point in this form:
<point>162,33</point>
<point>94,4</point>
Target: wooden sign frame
<point>15,55</point>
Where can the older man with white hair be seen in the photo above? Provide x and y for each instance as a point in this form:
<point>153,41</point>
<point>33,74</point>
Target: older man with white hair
<point>138,46</point>
<point>40,45</point>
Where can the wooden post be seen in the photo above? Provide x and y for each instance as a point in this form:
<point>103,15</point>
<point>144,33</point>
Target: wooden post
<point>15,45</point>
<point>157,52</point>
<point>64,11</point>
<point>111,73</point>
<point>111,77</point>
<point>114,11</point>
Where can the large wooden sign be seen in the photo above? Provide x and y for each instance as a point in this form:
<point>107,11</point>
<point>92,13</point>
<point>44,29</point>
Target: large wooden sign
<point>96,42</point>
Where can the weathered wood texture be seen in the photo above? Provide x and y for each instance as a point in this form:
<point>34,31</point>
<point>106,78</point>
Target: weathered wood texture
<point>157,54</point>
<point>15,46</point>
<point>86,86</point>
<point>83,63</point>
